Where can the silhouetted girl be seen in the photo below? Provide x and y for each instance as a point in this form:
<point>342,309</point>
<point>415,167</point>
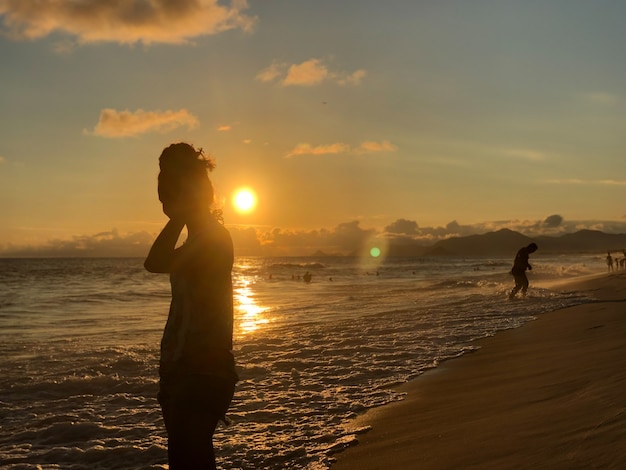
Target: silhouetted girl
<point>197,368</point>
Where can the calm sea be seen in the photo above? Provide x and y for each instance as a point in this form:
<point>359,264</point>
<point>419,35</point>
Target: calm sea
<point>79,343</point>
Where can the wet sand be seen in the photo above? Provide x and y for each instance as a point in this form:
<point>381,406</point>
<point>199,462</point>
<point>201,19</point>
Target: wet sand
<point>551,394</point>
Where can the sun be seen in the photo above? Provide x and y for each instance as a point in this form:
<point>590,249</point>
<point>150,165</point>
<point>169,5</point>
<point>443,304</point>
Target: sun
<point>244,200</point>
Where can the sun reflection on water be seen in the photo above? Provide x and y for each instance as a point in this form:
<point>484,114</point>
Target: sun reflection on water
<point>250,317</point>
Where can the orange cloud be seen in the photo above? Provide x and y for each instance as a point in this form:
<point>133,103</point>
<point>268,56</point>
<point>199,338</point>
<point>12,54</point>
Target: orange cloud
<point>308,73</point>
<point>339,147</point>
<point>224,128</point>
<point>308,149</point>
<point>114,123</point>
<point>373,146</point>
<point>526,154</point>
<point>601,98</point>
<point>271,73</point>
<point>353,79</point>
<point>128,22</point>
<point>577,181</point>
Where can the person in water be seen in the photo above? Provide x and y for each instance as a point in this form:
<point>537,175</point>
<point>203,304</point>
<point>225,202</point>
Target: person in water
<point>197,367</point>
<point>609,261</point>
<point>520,265</point>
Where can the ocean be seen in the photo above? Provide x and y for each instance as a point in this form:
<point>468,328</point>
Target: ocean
<point>79,344</point>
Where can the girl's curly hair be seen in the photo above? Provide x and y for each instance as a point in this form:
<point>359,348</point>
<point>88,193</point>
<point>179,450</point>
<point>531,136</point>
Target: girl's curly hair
<point>181,163</point>
<point>184,159</point>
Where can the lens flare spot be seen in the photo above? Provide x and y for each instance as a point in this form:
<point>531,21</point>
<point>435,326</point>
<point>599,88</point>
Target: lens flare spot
<point>375,252</point>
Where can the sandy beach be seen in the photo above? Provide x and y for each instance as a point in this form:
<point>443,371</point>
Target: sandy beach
<point>551,394</point>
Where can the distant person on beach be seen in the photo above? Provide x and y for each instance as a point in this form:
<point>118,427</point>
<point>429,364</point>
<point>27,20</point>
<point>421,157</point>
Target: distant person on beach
<point>609,261</point>
<point>520,265</point>
<point>197,367</point>
<point>307,277</point>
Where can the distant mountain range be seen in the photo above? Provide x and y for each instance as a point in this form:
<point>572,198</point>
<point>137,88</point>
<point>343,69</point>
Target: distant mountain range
<point>507,242</point>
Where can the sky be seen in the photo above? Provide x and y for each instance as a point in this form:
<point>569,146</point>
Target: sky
<point>348,120</point>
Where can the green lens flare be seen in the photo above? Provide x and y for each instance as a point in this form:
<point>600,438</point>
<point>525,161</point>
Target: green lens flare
<point>375,252</point>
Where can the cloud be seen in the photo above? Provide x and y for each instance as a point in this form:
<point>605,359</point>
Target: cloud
<point>115,124</point>
<point>272,72</point>
<point>342,148</point>
<point>551,225</point>
<point>553,221</point>
<point>224,128</point>
<point>612,182</point>
<point>308,149</point>
<point>308,73</point>
<point>373,146</point>
<point>525,154</point>
<point>346,238</point>
<point>64,46</point>
<point>127,22</point>
<point>601,98</point>
<point>353,79</point>
<point>402,227</point>
<point>102,244</point>
<point>565,181</point>
<point>245,241</point>
<point>351,237</point>
<point>577,181</point>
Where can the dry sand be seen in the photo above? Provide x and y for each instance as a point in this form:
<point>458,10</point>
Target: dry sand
<point>551,394</point>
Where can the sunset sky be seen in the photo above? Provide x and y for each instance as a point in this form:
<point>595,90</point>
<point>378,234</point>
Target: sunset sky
<point>347,118</point>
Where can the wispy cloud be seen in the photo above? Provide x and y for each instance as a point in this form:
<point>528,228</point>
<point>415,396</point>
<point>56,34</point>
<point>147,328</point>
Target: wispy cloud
<point>308,149</point>
<point>612,182</point>
<point>342,148</point>
<point>354,78</point>
<point>577,181</point>
<point>308,73</point>
<point>525,154</point>
<point>128,21</point>
<point>565,181</point>
<point>224,128</point>
<point>272,72</point>
<point>113,123</point>
<point>371,146</point>
<point>601,98</point>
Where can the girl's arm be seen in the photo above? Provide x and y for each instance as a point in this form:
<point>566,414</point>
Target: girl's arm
<point>162,254</point>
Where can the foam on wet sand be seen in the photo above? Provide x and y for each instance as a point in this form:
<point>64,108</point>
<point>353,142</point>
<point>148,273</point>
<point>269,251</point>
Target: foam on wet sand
<point>550,394</point>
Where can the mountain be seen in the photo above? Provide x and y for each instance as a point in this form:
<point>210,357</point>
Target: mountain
<point>507,242</point>
<point>584,241</point>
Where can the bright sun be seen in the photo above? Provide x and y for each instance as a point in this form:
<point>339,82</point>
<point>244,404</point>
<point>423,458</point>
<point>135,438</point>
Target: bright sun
<point>244,200</point>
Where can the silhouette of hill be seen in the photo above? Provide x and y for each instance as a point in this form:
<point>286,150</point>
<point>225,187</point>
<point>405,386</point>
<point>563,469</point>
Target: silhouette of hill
<point>406,248</point>
<point>506,242</point>
<point>584,241</point>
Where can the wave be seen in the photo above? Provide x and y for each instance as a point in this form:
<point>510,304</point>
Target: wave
<point>79,382</point>
<point>307,265</point>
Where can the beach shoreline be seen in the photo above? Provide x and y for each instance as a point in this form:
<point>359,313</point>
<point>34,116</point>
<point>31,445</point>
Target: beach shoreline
<point>549,394</point>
